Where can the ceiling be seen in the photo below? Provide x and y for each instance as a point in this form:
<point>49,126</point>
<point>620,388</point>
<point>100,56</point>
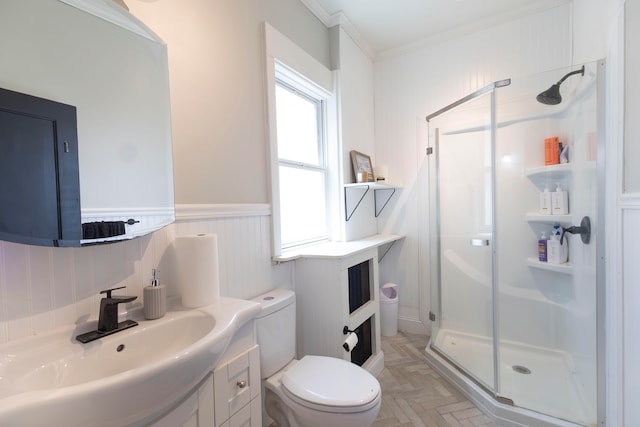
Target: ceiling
<point>391,24</point>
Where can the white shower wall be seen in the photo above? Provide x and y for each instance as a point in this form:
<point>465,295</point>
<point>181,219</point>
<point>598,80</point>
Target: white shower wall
<point>542,308</point>
<point>538,310</point>
<point>409,85</point>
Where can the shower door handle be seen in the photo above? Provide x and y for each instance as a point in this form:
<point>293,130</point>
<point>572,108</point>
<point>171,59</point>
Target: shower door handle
<point>479,242</point>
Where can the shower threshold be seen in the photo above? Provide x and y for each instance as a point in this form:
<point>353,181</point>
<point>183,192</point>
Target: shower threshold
<point>537,380</point>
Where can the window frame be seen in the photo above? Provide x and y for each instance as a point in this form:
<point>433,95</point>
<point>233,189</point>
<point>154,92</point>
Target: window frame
<point>288,63</point>
<point>292,81</point>
<point>320,120</point>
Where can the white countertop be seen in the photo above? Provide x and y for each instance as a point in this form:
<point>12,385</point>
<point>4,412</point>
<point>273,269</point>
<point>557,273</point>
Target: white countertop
<point>338,249</point>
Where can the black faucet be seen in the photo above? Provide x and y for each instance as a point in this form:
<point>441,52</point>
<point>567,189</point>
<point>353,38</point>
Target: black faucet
<point>108,319</point>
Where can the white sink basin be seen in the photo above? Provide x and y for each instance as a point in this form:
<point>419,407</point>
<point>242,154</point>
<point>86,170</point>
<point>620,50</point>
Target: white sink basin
<point>52,379</point>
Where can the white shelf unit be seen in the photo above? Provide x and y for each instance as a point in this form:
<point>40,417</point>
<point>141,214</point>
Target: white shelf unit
<point>564,220</point>
<point>355,193</point>
<point>322,306</point>
<point>546,175</point>
<point>566,268</point>
<point>558,171</point>
<point>335,250</point>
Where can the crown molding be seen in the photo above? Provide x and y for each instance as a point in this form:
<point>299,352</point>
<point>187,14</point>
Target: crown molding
<point>339,18</point>
<point>116,14</point>
<point>318,11</point>
<point>463,30</point>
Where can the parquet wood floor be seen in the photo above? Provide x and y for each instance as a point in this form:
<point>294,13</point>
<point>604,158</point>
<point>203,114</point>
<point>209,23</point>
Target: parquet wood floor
<point>414,395</point>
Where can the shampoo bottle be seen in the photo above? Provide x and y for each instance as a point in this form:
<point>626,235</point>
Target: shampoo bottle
<point>542,248</point>
<point>559,201</point>
<point>155,299</point>
<point>545,201</point>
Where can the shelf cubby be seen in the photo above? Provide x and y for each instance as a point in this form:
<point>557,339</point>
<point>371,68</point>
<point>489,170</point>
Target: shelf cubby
<point>566,268</point>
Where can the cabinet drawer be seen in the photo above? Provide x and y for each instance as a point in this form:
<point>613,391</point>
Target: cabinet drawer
<point>249,416</point>
<point>236,384</point>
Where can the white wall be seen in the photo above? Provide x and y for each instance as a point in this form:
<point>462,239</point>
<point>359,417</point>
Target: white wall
<point>356,110</point>
<point>623,334</point>
<point>418,82</point>
<point>413,84</point>
<point>43,288</point>
<point>216,71</point>
<point>95,76</point>
<point>216,66</point>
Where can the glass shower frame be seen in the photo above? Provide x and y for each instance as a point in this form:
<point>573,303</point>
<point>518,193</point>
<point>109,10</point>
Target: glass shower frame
<point>476,197</point>
<point>491,382</point>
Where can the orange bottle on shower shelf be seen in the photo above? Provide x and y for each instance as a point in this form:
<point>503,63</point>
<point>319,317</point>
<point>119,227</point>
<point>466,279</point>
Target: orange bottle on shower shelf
<point>551,151</point>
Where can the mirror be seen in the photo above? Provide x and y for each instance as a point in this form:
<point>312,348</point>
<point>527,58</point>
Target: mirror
<point>101,60</point>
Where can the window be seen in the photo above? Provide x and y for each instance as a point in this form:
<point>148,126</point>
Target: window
<point>302,170</point>
<point>304,146</point>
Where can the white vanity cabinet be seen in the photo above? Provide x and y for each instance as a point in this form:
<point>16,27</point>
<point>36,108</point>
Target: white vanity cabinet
<point>229,396</point>
<point>195,411</point>
<point>237,391</point>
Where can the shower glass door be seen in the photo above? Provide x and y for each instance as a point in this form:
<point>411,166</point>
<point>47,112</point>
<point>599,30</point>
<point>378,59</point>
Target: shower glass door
<point>462,190</point>
<point>525,329</point>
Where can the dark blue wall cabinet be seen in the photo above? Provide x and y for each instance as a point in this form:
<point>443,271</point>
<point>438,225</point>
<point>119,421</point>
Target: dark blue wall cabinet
<point>39,176</point>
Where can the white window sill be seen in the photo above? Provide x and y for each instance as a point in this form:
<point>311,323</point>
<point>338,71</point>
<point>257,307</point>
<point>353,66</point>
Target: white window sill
<point>333,250</point>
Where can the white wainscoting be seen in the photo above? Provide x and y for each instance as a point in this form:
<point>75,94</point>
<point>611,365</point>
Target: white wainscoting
<point>43,288</point>
<point>244,248</point>
<point>630,315</point>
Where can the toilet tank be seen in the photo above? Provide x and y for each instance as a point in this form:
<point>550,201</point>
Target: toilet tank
<point>276,330</point>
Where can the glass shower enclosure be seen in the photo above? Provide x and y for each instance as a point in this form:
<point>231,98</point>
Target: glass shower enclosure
<point>523,330</point>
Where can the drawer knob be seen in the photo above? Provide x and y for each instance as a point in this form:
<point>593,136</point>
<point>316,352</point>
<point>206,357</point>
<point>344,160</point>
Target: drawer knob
<point>241,384</point>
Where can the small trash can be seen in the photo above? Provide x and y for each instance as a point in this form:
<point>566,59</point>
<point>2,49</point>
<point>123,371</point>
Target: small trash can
<point>389,310</point>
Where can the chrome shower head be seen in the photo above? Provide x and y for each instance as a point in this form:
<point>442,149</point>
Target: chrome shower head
<point>552,95</point>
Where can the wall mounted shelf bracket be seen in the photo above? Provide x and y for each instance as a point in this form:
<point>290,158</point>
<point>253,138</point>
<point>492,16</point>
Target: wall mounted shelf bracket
<point>349,211</point>
<point>381,202</point>
<point>354,195</point>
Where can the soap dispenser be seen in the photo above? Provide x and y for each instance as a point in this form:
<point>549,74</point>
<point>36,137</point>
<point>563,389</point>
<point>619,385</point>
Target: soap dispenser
<point>559,201</point>
<point>155,299</point>
<point>542,248</point>
<point>545,201</point>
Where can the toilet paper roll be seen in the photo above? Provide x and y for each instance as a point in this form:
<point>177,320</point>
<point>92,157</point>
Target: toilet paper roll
<point>197,269</point>
<point>350,343</point>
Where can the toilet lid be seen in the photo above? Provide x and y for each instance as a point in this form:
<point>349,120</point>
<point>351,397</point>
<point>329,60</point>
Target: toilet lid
<point>328,381</point>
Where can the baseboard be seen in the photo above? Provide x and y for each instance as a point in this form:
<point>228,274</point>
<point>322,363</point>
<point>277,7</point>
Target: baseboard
<point>412,326</point>
<point>375,364</point>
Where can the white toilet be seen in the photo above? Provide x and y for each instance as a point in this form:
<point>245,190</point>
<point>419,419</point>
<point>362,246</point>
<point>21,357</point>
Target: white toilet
<point>315,391</point>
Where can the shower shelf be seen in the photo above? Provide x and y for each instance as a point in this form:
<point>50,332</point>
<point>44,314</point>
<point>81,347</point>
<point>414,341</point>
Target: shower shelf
<point>566,268</point>
<point>550,219</point>
<point>553,171</point>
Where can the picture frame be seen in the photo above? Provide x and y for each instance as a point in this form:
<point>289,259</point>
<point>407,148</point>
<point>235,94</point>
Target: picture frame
<point>361,163</point>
